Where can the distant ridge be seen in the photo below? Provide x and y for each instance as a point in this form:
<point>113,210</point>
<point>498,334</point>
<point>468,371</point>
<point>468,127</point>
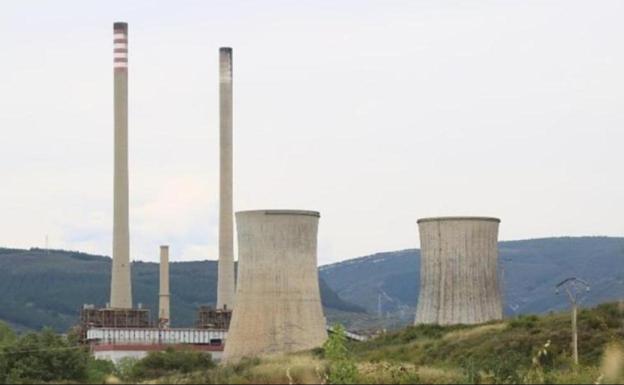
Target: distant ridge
<point>529,270</point>
<point>47,287</point>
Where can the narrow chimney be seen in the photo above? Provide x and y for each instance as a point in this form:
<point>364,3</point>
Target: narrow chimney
<point>121,291</point>
<point>226,288</point>
<point>163,305</point>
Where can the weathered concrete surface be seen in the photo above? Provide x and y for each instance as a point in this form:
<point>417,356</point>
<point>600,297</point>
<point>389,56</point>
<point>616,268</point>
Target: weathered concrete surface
<point>163,296</point>
<point>458,275</point>
<point>226,279</point>
<point>121,290</point>
<point>278,302</point>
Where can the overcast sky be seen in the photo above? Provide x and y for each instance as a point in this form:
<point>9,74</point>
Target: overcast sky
<point>373,113</point>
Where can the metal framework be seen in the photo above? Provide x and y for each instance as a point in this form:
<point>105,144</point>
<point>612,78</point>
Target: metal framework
<point>574,287</point>
<point>210,318</point>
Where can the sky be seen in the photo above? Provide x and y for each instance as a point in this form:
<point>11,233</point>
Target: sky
<point>374,113</point>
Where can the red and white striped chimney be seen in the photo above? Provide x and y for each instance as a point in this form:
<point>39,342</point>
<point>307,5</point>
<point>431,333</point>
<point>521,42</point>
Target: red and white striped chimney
<point>121,285</point>
<point>120,46</point>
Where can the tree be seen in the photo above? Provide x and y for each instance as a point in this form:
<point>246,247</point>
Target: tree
<point>44,357</point>
<point>342,369</point>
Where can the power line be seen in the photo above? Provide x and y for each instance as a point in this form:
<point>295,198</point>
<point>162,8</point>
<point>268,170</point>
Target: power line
<point>37,350</point>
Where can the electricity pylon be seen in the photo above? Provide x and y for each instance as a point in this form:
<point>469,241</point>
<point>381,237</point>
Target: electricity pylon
<point>574,287</point>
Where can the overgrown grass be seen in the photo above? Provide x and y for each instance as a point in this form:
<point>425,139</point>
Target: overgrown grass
<point>503,352</point>
<point>291,369</point>
<point>524,350</point>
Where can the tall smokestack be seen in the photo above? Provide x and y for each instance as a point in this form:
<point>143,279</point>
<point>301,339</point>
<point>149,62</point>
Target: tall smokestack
<point>225,290</point>
<point>121,291</point>
<point>163,305</point>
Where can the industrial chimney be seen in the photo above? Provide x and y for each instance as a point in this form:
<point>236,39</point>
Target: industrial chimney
<point>163,297</point>
<point>278,302</point>
<point>225,280</point>
<point>458,271</point>
<point>121,291</point>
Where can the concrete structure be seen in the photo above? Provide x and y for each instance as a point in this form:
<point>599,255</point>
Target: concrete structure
<point>226,278</point>
<point>163,297</point>
<point>121,291</point>
<point>116,353</point>
<point>278,302</point>
<point>151,336</point>
<point>458,271</point>
<point>117,343</point>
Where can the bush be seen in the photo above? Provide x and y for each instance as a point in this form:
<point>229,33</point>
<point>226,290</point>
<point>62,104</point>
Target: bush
<point>125,367</point>
<point>99,370</point>
<point>342,369</point>
<point>524,322</point>
<point>43,357</point>
<point>170,361</point>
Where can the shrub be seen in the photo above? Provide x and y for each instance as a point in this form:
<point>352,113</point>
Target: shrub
<point>342,369</point>
<point>524,322</point>
<point>159,364</point>
<point>99,370</point>
<point>43,357</point>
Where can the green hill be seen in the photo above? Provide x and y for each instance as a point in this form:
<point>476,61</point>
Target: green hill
<point>502,351</point>
<point>47,288</point>
<point>528,269</point>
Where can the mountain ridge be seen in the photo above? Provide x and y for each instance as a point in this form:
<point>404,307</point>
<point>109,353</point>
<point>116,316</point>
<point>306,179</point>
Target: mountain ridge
<point>47,287</point>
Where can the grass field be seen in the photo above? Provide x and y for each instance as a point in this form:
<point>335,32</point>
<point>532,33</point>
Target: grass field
<point>529,349</point>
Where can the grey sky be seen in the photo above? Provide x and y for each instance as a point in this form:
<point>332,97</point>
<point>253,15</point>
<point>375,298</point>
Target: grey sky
<point>373,113</point>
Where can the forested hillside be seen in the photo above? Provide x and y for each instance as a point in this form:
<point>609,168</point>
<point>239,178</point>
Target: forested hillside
<point>388,283</point>
<point>47,288</point>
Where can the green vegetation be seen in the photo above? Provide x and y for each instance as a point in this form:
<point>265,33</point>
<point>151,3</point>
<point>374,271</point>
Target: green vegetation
<point>342,368</point>
<point>524,350</point>
<point>46,357</point>
<point>159,364</point>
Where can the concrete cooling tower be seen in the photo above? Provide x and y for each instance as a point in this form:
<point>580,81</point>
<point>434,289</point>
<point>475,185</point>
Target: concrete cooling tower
<point>278,302</point>
<point>458,271</point>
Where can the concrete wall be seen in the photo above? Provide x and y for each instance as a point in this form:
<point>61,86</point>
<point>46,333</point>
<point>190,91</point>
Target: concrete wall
<point>458,275</point>
<point>116,353</point>
<point>278,303</point>
<point>226,279</point>
<point>121,291</point>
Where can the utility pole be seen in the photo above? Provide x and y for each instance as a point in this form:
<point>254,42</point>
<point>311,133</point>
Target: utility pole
<point>574,287</point>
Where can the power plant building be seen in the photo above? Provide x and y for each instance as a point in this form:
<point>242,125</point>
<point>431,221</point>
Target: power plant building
<point>118,330</point>
<point>278,304</point>
<point>458,271</point>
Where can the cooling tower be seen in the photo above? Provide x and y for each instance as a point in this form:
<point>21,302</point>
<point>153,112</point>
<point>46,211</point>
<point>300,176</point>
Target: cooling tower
<point>278,303</point>
<point>225,281</point>
<point>458,271</point>
<point>163,296</point>
<point>121,291</point>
